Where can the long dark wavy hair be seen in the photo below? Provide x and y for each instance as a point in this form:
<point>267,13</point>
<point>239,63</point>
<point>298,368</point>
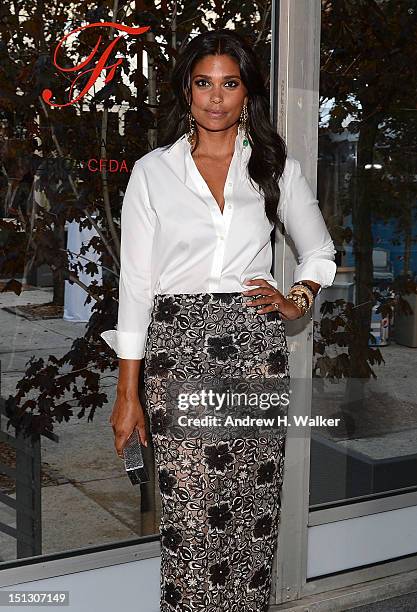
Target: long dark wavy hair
<point>269,151</point>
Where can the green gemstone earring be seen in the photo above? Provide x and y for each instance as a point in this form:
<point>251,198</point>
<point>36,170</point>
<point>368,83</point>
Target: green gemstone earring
<point>243,123</point>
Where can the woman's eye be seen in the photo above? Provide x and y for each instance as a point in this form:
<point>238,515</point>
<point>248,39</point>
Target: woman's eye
<point>199,81</point>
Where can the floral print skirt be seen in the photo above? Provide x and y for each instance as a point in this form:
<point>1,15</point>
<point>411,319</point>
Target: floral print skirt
<point>220,494</point>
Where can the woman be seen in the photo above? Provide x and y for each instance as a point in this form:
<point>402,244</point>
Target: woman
<point>197,302</point>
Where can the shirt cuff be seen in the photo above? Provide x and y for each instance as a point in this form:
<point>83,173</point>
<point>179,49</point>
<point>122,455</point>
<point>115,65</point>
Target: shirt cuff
<point>321,271</point>
<point>127,345</point>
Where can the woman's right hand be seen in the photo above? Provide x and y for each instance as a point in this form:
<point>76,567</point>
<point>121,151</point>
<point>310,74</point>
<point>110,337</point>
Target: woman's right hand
<point>126,416</point>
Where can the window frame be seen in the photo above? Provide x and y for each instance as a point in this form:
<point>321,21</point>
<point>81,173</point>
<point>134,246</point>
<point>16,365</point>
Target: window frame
<point>295,76</point>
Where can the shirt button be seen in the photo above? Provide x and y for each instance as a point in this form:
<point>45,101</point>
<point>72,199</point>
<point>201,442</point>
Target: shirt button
<point>229,206</point>
<point>230,183</point>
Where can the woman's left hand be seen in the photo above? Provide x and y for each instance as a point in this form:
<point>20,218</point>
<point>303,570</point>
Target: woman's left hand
<point>287,308</point>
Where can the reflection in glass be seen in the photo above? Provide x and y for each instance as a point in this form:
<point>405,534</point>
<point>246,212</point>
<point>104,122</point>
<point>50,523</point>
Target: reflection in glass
<point>365,331</point>
<point>63,173</point>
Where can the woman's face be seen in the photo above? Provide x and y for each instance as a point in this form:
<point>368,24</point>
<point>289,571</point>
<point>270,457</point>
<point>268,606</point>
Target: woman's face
<point>218,92</point>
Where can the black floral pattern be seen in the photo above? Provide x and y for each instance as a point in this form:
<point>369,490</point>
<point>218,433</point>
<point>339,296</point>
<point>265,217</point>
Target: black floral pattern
<point>220,499</point>
<point>221,347</point>
<point>160,364</point>
<point>225,298</point>
<point>166,482</point>
<point>172,595</point>
<point>259,578</point>
<point>219,515</point>
<point>276,362</point>
<point>167,310</point>
<point>263,526</point>
<point>218,457</point>
<point>273,315</point>
<point>171,538</point>
<point>219,573</point>
<point>160,421</point>
<point>266,472</point>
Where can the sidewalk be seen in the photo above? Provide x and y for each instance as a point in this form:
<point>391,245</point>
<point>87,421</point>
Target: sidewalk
<point>87,499</point>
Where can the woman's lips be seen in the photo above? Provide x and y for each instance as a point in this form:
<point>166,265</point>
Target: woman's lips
<point>216,113</point>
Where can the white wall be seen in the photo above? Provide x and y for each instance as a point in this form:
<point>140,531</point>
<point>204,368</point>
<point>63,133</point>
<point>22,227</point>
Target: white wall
<point>131,587</point>
<point>362,540</point>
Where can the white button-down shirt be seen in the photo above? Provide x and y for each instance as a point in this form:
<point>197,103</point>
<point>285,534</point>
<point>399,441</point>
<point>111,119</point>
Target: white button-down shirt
<point>175,239</point>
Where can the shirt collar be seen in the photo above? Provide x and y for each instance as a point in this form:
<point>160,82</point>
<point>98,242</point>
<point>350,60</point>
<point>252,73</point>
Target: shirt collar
<point>242,153</point>
<point>177,157</point>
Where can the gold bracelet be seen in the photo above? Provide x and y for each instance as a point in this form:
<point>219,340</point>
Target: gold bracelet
<point>299,301</point>
<point>302,289</point>
<point>305,284</point>
<point>302,296</point>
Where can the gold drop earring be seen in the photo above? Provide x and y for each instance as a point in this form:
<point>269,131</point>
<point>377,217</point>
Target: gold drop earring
<point>191,127</point>
<point>243,124</point>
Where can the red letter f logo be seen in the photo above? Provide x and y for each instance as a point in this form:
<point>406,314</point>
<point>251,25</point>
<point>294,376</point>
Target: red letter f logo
<point>100,66</point>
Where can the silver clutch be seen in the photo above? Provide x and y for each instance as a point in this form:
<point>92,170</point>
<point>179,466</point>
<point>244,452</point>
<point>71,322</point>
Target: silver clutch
<point>132,455</point>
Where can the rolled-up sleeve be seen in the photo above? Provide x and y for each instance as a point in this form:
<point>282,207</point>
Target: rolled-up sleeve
<point>136,286</point>
<point>303,221</point>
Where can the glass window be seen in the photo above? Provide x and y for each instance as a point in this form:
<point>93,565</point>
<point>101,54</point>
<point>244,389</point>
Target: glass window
<point>63,172</point>
<point>365,329</point>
